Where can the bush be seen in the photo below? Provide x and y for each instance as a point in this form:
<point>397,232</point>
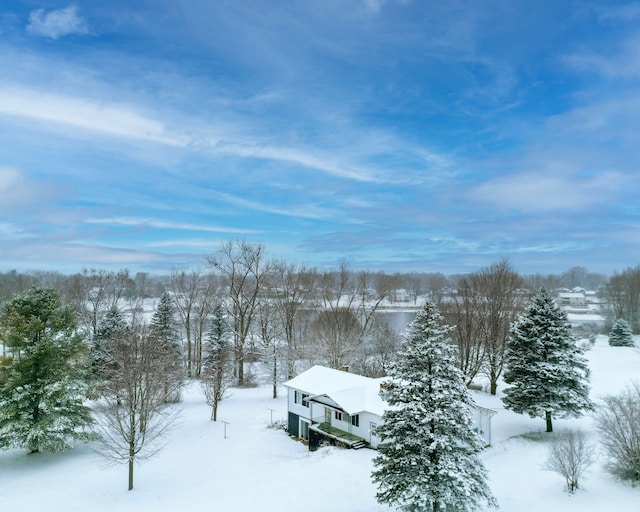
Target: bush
<point>570,456</point>
<point>618,421</point>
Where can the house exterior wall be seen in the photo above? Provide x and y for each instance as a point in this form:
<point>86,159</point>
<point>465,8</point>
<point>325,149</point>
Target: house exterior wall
<point>295,408</point>
<point>293,424</point>
<point>296,411</point>
<point>366,419</point>
<point>363,429</point>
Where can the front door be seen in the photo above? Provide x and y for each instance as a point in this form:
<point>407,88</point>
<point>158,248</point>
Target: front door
<point>373,439</point>
<point>327,415</point>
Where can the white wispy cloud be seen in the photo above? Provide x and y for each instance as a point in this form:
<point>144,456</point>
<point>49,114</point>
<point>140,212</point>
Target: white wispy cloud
<point>309,211</point>
<point>310,159</point>
<point>9,177</point>
<point>9,230</point>
<point>197,243</point>
<point>57,23</point>
<point>624,12</point>
<point>84,114</point>
<point>624,63</point>
<point>534,192</point>
<point>19,192</point>
<point>160,224</point>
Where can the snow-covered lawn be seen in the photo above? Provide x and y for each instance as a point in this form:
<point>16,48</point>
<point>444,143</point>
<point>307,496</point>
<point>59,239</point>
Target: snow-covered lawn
<point>258,468</point>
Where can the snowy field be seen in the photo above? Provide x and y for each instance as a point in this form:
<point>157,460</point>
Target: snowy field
<point>259,468</point>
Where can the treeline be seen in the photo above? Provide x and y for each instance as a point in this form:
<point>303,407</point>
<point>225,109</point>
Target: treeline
<point>291,316</point>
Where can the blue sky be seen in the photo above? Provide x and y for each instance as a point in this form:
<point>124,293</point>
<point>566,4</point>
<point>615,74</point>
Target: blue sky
<point>394,135</point>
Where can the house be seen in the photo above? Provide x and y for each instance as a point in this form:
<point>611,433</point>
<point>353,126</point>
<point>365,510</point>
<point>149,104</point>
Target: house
<point>573,299</point>
<point>338,407</point>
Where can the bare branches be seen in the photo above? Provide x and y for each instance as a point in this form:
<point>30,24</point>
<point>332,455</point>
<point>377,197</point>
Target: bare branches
<point>133,413</point>
<point>244,270</point>
<point>618,420</point>
<point>570,455</point>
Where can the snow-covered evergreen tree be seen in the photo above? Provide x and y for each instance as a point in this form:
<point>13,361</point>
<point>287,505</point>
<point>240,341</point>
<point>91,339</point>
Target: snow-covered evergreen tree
<point>42,383</point>
<point>111,325</point>
<point>621,335</point>
<point>164,328</point>
<point>546,369</point>
<point>428,456</point>
<point>216,372</point>
<point>163,323</point>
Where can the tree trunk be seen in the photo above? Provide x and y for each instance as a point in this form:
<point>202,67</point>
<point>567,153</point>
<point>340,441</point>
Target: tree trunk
<point>549,424</point>
<point>189,350</point>
<point>494,387</point>
<point>214,411</point>
<point>240,363</point>
<point>275,372</point>
<point>132,450</point>
<point>131,455</point>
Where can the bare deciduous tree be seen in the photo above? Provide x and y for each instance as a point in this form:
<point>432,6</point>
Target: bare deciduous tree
<point>96,291</point>
<point>293,287</point>
<point>486,304</point>
<point>618,420</point>
<point>193,295</point>
<point>623,294</point>
<point>133,412</point>
<point>381,348</point>
<point>345,312</point>
<point>570,455</point>
<point>244,271</point>
<point>465,313</point>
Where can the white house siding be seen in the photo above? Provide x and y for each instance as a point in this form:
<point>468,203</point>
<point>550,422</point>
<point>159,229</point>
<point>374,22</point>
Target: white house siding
<point>339,387</point>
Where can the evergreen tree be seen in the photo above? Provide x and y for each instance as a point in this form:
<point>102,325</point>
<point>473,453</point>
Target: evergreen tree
<point>427,459</point>
<point>217,361</point>
<point>163,323</point>
<point>621,335</point>
<point>112,325</point>
<point>42,382</point>
<point>544,365</point>
<point>163,328</point>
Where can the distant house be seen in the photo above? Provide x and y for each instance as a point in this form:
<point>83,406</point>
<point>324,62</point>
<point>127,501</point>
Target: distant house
<point>338,407</point>
<point>573,299</point>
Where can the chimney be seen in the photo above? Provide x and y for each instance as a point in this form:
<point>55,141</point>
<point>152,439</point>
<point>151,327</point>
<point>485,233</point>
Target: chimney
<point>345,368</point>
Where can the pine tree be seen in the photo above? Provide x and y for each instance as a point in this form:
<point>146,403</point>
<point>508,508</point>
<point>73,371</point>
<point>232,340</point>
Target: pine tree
<point>621,335</point>
<point>427,459</point>
<point>42,385</point>
<point>163,323</point>
<point>112,324</point>
<point>544,366</point>
<point>216,362</point>
<point>163,327</point>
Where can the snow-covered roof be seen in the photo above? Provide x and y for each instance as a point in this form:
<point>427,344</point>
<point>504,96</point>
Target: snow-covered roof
<point>353,393</point>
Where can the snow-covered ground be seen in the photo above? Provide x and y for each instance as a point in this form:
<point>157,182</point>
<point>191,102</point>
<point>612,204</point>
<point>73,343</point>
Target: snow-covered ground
<point>259,468</point>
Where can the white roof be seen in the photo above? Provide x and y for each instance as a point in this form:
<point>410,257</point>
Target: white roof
<point>354,393</point>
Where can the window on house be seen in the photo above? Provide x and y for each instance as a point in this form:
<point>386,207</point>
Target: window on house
<point>301,398</point>
<point>355,420</point>
<point>338,415</point>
